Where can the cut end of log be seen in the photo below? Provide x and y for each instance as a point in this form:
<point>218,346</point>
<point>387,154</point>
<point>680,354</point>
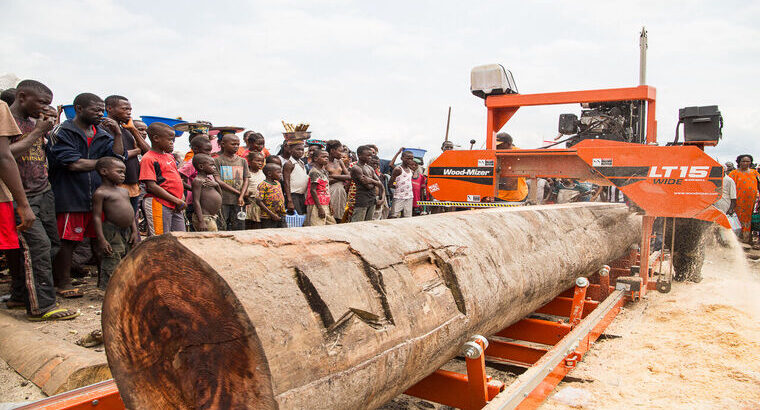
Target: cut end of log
<point>165,309</point>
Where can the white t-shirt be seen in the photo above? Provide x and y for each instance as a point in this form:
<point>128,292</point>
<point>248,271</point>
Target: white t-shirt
<point>299,179</point>
<point>729,193</point>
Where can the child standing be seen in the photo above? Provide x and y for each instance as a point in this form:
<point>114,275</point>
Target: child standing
<point>163,202</point>
<point>255,177</point>
<point>198,145</point>
<point>233,179</point>
<point>318,194</point>
<point>270,199</point>
<point>207,195</point>
<point>401,179</point>
<point>117,233</point>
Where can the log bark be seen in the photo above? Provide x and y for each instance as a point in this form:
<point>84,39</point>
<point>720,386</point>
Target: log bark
<point>54,365</point>
<point>345,316</point>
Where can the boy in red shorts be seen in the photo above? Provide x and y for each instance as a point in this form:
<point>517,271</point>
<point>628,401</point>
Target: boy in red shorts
<point>163,203</point>
<point>31,265</point>
<point>74,148</point>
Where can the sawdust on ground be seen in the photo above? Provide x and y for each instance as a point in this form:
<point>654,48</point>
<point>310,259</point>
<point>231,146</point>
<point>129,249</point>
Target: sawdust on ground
<point>697,347</point>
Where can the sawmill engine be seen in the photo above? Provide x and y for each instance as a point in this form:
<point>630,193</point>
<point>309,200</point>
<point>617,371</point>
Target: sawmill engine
<point>617,121</point>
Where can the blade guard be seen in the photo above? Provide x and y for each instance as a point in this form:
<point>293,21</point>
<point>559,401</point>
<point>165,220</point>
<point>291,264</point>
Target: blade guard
<point>671,181</point>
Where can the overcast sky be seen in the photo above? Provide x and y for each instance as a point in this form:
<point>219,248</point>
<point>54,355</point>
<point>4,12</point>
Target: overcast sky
<point>386,72</point>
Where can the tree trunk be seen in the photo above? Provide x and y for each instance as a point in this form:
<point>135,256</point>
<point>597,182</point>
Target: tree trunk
<point>345,316</point>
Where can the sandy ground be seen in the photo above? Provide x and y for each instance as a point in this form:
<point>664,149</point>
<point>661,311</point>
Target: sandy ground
<point>697,347</point>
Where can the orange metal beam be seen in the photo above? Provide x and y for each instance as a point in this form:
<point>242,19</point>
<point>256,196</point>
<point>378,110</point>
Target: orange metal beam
<point>561,306</point>
<point>502,107</point>
<point>578,305</point>
<point>642,92</point>
<point>477,382</point>
<point>100,396</point>
<point>513,353</point>
<point>449,388</point>
<point>537,331</point>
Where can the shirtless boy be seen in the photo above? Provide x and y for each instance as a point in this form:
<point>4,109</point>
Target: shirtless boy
<point>118,232</point>
<point>207,194</point>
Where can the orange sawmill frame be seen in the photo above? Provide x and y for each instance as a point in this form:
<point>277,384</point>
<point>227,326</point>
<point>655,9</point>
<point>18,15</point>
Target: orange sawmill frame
<point>502,107</point>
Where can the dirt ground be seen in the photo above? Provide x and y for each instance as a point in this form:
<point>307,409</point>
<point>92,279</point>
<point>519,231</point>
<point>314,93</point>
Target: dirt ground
<point>696,347</point>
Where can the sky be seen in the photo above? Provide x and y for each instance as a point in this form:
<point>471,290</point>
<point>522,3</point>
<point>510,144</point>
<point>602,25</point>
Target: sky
<point>386,72</point>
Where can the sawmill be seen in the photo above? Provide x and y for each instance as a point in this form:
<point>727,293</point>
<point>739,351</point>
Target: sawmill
<point>349,317</point>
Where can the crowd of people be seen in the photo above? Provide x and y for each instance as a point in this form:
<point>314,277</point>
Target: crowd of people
<point>110,180</point>
<point>105,178</point>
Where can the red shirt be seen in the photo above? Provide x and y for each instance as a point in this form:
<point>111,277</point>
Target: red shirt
<point>162,169</point>
<point>89,139</point>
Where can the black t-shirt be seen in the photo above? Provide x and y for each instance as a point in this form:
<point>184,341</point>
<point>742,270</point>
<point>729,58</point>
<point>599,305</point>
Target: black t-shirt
<point>133,164</point>
<point>365,197</point>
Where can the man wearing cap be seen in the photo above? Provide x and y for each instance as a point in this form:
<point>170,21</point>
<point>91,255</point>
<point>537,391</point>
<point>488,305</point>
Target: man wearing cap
<point>511,189</point>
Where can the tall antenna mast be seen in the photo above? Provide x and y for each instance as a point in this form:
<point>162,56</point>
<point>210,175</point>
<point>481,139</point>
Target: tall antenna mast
<point>643,56</point>
<point>448,121</point>
<point>643,45</point>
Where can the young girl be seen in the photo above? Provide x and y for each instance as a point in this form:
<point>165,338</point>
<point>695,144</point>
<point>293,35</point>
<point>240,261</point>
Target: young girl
<point>270,199</point>
<point>318,193</point>
<point>255,177</point>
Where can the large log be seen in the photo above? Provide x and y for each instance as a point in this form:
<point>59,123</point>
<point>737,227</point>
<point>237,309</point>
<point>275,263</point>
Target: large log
<point>345,316</point>
<point>54,365</point>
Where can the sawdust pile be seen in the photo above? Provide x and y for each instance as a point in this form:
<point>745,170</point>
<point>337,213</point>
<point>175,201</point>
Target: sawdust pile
<point>696,347</point>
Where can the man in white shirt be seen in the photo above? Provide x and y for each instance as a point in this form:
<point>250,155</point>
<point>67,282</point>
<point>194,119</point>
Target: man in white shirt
<point>727,201</point>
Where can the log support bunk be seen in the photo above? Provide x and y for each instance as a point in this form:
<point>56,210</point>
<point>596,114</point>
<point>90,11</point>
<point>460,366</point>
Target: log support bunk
<point>584,312</point>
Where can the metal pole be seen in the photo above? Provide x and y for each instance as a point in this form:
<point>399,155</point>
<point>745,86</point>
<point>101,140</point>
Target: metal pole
<point>643,45</point>
<point>448,121</point>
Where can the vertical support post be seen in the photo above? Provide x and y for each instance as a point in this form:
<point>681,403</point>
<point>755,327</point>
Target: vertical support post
<point>604,283</point>
<point>646,238</point>
<point>477,382</point>
<point>533,197</point>
<point>579,296</point>
<point>651,123</point>
<point>490,129</point>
